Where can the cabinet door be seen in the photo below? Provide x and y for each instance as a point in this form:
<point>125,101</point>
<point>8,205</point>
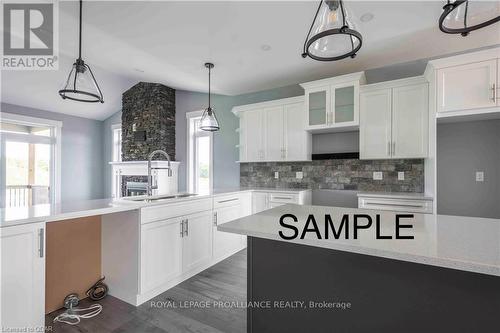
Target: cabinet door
<point>345,109</point>
<point>161,253</point>
<point>466,87</point>
<point>318,107</point>
<point>295,135</point>
<point>375,124</point>
<point>260,202</point>
<point>197,242</point>
<point>274,133</point>
<point>226,243</point>
<point>243,138</point>
<point>410,124</point>
<point>254,125</point>
<point>22,276</point>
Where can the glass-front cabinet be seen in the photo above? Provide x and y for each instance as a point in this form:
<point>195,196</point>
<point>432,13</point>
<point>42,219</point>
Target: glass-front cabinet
<point>333,104</point>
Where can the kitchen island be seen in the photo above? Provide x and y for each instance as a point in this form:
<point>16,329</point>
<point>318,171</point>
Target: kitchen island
<point>142,247</point>
<point>445,279</point>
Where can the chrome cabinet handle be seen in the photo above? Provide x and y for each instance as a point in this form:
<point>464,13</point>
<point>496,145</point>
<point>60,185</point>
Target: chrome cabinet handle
<point>41,241</point>
<point>394,148</point>
<point>215,219</point>
<point>187,227</point>
<point>494,98</point>
<point>182,228</point>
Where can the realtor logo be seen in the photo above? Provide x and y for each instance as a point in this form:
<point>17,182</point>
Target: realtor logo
<point>29,35</point>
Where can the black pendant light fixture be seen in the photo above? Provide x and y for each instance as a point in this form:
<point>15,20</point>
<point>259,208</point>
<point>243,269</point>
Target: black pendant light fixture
<point>81,84</point>
<point>209,121</point>
<point>331,36</point>
<point>464,16</point>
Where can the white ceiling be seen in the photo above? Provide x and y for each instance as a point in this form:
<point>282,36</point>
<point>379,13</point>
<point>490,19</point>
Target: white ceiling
<point>168,42</point>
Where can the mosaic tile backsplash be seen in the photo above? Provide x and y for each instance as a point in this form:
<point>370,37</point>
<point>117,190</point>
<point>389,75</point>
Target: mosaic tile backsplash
<point>337,174</point>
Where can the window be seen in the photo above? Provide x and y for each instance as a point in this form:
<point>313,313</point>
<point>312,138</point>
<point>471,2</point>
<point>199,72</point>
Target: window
<point>30,166</point>
<point>199,154</point>
<point>117,142</point>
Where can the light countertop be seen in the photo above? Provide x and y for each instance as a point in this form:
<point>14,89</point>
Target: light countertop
<point>76,209</point>
<point>463,243</point>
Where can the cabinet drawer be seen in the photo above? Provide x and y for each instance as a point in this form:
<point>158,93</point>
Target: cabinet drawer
<point>227,200</point>
<point>403,205</point>
<point>161,212</point>
<point>283,197</point>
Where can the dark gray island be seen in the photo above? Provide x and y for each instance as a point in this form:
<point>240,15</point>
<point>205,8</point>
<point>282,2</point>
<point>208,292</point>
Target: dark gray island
<point>446,279</point>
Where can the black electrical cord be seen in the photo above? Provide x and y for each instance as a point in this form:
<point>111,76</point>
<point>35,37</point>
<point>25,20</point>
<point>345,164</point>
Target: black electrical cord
<point>98,291</point>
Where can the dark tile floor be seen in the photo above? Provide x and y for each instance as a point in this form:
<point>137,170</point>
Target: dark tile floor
<point>224,282</point>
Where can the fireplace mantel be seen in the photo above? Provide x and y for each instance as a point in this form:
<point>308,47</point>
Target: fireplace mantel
<point>166,184</point>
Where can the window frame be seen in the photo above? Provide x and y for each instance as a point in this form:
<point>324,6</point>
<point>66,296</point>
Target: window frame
<point>55,141</point>
<point>114,128</point>
<point>190,143</point>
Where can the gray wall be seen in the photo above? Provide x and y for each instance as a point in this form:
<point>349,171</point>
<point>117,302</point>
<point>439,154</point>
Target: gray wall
<point>226,171</point>
<point>81,156</point>
<point>463,149</point>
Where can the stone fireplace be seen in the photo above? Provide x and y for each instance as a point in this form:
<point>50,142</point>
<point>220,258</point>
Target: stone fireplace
<point>148,124</point>
<point>148,121</point>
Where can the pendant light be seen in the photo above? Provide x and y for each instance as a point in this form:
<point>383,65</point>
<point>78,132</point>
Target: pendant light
<point>209,121</point>
<point>333,34</point>
<point>81,84</point>
<point>463,16</point>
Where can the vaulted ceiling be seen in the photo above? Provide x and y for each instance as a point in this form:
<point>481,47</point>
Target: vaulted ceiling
<point>254,45</point>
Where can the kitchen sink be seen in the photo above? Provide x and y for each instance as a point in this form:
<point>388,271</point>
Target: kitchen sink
<point>161,197</point>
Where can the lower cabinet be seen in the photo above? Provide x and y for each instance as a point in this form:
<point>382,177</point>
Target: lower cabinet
<point>197,241</point>
<point>174,246</point>
<point>22,277</point>
<point>260,202</point>
<point>226,243</point>
<point>161,252</point>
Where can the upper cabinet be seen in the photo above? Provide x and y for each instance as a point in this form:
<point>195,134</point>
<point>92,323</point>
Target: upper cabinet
<point>394,119</point>
<point>470,86</point>
<point>273,131</point>
<point>333,104</point>
<point>465,85</point>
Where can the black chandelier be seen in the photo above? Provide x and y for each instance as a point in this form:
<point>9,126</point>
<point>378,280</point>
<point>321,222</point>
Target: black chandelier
<point>463,16</point>
<point>333,35</point>
<point>81,84</point>
<point>209,121</point>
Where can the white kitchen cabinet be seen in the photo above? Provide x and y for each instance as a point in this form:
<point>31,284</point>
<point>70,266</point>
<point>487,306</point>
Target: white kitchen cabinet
<point>297,141</point>
<point>260,202</point>
<point>197,241</point>
<point>226,243</point>
<point>273,131</point>
<point>410,121</point>
<point>161,252</point>
<point>253,130</point>
<point>394,119</point>
<point>23,276</point>
<point>333,104</point>
<point>467,86</point>
<point>375,124</point>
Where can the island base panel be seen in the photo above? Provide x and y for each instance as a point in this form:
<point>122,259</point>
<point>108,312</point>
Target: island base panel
<point>385,295</point>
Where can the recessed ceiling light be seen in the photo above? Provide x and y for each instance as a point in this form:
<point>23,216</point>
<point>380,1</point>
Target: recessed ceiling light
<point>265,47</point>
<point>366,17</point>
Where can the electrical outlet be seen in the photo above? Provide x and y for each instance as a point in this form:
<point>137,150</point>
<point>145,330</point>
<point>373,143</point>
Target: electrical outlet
<point>377,175</point>
<point>276,175</point>
<point>479,176</point>
<point>401,175</point>
<point>299,175</point>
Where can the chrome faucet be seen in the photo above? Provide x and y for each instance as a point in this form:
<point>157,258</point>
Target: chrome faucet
<point>150,186</point>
